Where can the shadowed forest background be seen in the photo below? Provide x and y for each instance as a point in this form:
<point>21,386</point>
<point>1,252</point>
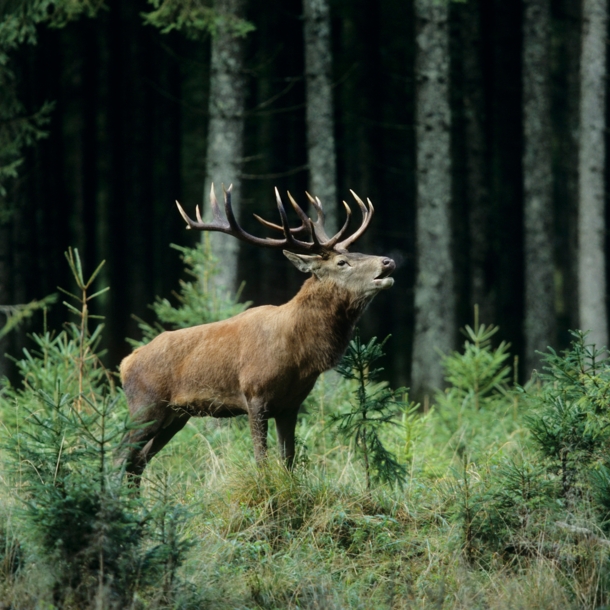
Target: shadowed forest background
<point>127,135</point>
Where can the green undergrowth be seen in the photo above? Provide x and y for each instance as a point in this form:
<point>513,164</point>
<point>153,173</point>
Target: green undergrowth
<point>502,498</point>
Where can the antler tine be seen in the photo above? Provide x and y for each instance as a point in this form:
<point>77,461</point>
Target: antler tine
<point>327,242</point>
<point>214,205</point>
<point>317,204</point>
<point>316,245</point>
<point>266,223</point>
<point>360,203</point>
<point>229,209</point>
<point>272,225</point>
<point>367,215</point>
<point>218,219</point>
<point>291,241</point>
<point>297,208</point>
<point>299,211</point>
<point>316,228</point>
<point>184,215</point>
<point>337,236</point>
<point>217,224</point>
<point>282,211</point>
<point>318,223</point>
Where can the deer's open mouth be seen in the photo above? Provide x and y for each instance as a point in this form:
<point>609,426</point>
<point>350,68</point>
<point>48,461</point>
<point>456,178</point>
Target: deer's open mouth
<point>381,280</point>
<point>383,283</point>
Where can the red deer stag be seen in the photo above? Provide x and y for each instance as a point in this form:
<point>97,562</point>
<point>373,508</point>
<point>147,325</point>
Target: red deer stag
<point>264,361</point>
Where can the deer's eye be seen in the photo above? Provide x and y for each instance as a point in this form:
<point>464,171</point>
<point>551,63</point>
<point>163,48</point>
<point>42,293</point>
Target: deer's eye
<point>341,263</point>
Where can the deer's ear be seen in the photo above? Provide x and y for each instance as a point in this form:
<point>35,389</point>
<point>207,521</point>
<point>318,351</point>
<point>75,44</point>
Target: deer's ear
<point>303,262</point>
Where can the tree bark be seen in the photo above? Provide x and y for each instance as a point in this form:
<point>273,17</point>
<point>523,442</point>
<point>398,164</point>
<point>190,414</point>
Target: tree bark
<point>565,78</point>
<point>226,134</point>
<point>476,160</point>
<point>539,314</point>
<point>434,288</point>
<point>591,167</point>
<point>319,115</point>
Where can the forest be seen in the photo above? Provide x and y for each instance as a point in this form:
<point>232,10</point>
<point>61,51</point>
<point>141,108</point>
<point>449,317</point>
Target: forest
<point>122,96</point>
<point>457,457</point>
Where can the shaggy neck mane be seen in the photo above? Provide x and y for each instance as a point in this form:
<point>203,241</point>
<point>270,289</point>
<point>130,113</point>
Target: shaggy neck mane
<point>324,314</point>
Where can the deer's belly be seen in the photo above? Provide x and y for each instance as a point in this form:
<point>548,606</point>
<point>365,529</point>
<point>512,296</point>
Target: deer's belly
<point>291,398</point>
<point>212,405</point>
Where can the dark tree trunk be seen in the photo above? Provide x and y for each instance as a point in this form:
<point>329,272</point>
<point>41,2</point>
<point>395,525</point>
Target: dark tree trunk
<point>501,32</point>
<point>476,160</point>
<point>539,313</point>
<point>565,80</point>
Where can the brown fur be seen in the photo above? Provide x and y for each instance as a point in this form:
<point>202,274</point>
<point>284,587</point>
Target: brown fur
<point>262,362</point>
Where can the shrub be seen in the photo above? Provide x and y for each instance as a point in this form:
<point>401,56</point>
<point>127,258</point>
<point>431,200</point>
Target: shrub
<point>571,421</point>
<point>375,406</point>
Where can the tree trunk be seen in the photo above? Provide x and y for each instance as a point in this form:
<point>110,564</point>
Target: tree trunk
<point>503,44</point>
<point>565,78</point>
<point>320,122</point>
<point>591,167</point>
<point>226,134</point>
<point>434,288</point>
<point>539,315</point>
<point>476,160</point>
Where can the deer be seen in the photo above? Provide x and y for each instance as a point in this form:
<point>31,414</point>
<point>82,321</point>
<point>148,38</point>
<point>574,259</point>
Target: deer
<point>264,361</point>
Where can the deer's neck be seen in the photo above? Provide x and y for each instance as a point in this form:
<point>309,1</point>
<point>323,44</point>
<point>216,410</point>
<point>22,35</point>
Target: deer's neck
<point>323,317</point>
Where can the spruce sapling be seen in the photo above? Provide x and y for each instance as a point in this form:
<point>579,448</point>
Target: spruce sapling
<point>480,375</point>
<point>375,406</point>
<point>570,424</point>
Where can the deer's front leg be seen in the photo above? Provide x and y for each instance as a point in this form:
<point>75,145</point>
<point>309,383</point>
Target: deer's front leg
<point>285,426</point>
<point>259,424</point>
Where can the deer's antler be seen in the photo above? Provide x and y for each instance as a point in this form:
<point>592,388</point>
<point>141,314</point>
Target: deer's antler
<point>319,242</point>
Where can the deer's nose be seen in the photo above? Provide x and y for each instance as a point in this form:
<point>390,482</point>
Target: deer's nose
<point>388,263</point>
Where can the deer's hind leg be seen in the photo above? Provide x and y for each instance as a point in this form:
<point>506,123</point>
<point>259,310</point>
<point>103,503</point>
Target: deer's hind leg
<point>143,443</point>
